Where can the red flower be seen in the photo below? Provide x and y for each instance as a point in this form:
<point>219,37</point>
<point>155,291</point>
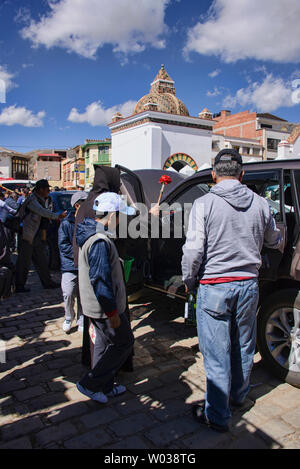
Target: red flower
<point>165,180</point>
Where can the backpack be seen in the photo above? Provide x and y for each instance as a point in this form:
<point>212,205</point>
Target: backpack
<point>12,222</point>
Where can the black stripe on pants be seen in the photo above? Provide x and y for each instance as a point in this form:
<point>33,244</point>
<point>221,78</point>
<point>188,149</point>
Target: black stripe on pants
<point>111,349</point>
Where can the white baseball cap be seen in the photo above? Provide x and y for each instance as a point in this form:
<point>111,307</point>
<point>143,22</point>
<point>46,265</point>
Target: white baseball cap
<point>112,202</point>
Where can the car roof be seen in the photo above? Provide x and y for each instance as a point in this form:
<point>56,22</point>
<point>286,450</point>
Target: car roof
<point>258,166</point>
<point>62,192</point>
<point>150,181</point>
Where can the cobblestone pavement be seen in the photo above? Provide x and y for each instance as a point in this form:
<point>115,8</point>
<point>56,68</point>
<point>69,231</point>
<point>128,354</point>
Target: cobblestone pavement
<point>41,407</point>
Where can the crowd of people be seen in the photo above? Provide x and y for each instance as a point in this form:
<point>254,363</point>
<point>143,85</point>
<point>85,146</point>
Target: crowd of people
<point>221,259</point>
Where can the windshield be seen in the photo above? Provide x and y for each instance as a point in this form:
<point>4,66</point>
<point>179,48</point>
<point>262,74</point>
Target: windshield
<point>61,202</point>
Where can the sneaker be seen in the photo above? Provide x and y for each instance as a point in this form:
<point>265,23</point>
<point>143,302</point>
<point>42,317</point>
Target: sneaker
<point>67,325</point>
<point>117,390</point>
<point>95,396</point>
<point>199,415</point>
<point>80,326</point>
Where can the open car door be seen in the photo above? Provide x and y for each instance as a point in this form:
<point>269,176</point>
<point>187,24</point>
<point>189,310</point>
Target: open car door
<point>132,251</point>
<point>166,254</point>
<point>295,192</point>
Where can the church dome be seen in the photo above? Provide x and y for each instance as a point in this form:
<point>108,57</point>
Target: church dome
<point>162,97</point>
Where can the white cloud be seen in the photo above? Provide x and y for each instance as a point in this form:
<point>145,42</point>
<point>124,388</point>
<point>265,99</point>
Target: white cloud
<point>84,26</point>
<point>214,73</point>
<point>253,29</point>
<point>216,92</point>
<point>267,96</point>
<point>13,115</point>
<point>96,114</point>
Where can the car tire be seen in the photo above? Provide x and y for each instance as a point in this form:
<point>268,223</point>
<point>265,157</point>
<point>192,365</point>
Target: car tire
<point>276,332</point>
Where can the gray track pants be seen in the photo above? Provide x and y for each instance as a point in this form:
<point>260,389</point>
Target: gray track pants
<point>70,290</point>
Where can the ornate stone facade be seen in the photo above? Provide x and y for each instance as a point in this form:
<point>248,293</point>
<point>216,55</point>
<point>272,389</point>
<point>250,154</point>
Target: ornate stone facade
<point>162,97</point>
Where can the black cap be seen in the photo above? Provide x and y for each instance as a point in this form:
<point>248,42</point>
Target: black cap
<point>41,184</point>
<point>228,154</point>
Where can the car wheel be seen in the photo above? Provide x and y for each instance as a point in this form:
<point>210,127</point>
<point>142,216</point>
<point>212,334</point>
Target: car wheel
<point>278,335</point>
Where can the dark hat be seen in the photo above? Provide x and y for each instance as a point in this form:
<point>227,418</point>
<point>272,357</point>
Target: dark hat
<point>228,154</point>
<point>41,184</point>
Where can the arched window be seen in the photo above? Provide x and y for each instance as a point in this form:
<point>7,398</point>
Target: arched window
<point>179,160</point>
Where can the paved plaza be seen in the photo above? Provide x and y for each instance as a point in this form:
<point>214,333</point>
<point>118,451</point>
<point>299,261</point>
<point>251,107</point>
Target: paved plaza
<point>41,407</point>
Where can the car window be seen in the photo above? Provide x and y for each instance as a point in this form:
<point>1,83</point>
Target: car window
<point>189,195</point>
<point>267,185</point>
<point>63,202</point>
<point>186,198</point>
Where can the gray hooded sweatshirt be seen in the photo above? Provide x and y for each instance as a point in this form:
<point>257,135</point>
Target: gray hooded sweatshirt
<point>227,230</point>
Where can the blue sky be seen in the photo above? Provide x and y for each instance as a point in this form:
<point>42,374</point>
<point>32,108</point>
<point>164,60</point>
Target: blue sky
<point>68,65</point>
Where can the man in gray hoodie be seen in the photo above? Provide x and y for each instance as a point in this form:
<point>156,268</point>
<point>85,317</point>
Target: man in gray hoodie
<point>221,257</point>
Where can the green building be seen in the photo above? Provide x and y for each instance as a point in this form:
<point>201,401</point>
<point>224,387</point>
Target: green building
<point>95,152</point>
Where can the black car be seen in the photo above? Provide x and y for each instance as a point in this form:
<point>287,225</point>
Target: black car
<point>158,261</point>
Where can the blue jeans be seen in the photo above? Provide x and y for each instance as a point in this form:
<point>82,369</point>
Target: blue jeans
<point>226,322</point>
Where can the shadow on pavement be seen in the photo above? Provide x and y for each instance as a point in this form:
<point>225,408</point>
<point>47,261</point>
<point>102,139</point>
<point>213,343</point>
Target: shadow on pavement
<point>38,388</point>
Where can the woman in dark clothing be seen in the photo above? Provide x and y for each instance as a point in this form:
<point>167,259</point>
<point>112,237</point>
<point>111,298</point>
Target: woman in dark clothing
<point>106,180</point>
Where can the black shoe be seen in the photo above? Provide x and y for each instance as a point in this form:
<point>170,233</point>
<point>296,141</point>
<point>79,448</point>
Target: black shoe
<point>245,405</point>
<point>22,290</point>
<point>236,405</point>
<point>199,415</point>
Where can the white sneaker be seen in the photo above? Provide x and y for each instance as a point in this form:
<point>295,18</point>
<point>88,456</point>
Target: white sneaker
<point>67,325</point>
<point>117,390</point>
<point>80,326</point>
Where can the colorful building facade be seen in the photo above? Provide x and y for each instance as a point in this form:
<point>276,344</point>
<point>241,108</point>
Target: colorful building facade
<point>95,152</point>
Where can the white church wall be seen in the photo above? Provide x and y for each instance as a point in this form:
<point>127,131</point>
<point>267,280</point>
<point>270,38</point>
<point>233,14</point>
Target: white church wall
<point>196,143</point>
<point>130,147</point>
<point>150,145</point>
<point>296,148</point>
<point>5,166</point>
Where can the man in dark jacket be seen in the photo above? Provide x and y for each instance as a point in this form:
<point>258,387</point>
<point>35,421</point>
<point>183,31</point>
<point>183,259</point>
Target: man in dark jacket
<point>33,213</point>
<point>103,297</point>
<point>6,266</point>
<point>69,279</point>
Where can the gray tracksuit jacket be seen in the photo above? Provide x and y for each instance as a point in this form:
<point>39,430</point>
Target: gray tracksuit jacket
<point>227,230</point>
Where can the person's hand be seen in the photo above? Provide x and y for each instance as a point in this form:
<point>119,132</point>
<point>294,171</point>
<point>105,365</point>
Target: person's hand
<point>115,321</point>
<point>186,289</point>
<point>62,215</point>
<point>154,210</point>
